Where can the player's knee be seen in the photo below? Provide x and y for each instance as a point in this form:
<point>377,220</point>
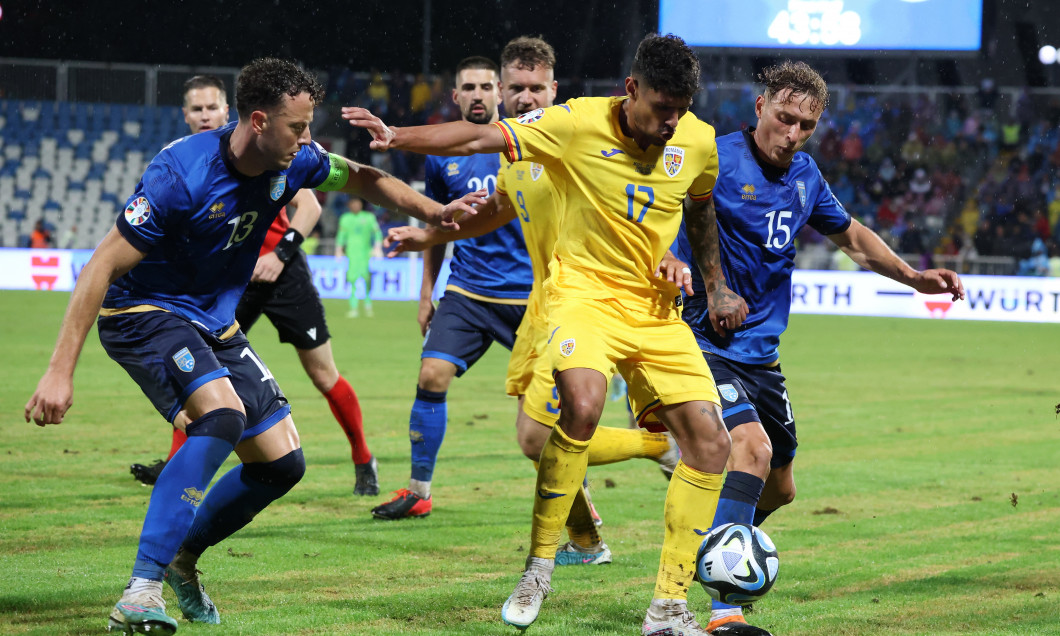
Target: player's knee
<point>282,473</point>
<point>225,424</point>
<point>752,455</point>
<point>580,412</point>
<point>434,377</point>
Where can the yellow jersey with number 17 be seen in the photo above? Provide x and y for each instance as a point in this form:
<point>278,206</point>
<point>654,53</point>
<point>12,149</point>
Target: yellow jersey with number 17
<point>622,204</point>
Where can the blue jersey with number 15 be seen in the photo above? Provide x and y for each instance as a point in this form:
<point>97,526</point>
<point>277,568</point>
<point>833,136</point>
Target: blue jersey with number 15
<point>761,210</point>
<point>201,224</point>
<point>492,266</point>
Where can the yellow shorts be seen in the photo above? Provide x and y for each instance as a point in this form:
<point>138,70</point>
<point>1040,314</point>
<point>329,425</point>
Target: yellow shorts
<point>530,373</point>
<point>654,351</point>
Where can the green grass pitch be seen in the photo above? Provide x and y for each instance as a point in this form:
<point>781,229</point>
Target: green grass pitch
<point>929,493</point>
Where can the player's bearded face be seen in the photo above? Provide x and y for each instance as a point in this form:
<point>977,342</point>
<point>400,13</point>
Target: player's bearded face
<point>785,123</point>
<point>525,90</point>
<point>205,109</point>
<point>477,95</point>
<point>287,131</point>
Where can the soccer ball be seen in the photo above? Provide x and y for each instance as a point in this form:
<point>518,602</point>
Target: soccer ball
<point>737,564</point>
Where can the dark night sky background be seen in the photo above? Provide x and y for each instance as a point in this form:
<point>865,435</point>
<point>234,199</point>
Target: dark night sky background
<point>593,38</point>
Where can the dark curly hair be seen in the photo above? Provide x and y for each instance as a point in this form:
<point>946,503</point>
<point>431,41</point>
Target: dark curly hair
<point>666,64</point>
<point>800,78</point>
<point>528,53</point>
<point>262,84</point>
<point>204,81</point>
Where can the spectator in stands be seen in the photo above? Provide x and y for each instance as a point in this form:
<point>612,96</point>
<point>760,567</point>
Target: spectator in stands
<point>420,97</point>
<point>41,236</point>
<point>70,240</point>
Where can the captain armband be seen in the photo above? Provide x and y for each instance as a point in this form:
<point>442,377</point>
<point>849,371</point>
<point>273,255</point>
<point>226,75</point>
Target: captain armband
<point>288,245</point>
<point>337,176</point>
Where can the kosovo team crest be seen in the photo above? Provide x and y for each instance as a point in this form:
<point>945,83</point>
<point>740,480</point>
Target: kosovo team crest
<point>673,159</point>
<point>276,187</point>
<point>535,171</point>
<point>185,361</point>
<point>531,117</point>
<point>567,347</point>
<point>728,392</point>
<point>802,192</point>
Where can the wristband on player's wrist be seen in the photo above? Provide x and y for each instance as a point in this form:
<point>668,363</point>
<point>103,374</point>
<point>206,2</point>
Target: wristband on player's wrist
<point>288,245</point>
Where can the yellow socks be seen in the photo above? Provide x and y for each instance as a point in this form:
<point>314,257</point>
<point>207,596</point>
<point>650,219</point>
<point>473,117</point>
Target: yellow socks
<point>559,479</point>
<point>690,504</point>
<point>611,445</point>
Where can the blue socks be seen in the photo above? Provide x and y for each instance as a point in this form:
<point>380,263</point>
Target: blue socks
<point>736,504</point>
<point>426,431</point>
<point>179,489</point>
<point>241,494</point>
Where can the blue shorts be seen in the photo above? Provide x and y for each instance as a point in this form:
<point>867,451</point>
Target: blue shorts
<point>464,328</point>
<point>754,393</point>
<point>169,358</point>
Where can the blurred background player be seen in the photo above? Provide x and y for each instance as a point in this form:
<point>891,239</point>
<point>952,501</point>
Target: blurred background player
<point>485,298</point>
<point>358,239</point>
<point>282,288</point>
<point>528,83</point>
<point>625,168</point>
<point>756,241</point>
<point>165,282</point>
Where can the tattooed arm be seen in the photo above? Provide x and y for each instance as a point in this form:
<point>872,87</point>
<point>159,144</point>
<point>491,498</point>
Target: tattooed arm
<point>727,309</point>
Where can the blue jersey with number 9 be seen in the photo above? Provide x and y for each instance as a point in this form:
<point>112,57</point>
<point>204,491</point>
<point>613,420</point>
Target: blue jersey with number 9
<point>761,210</point>
<point>201,224</point>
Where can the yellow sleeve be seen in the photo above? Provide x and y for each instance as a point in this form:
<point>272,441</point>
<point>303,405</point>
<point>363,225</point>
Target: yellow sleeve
<point>703,186</point>
<point>502,180</point>
<point>540,135</point>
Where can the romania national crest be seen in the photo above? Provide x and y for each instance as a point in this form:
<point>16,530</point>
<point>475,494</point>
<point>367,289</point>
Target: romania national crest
<point>673,159</point>
<point>535,171</point>
<point>567,347</point>
<point>531,117</point>
<point>138,211</point>
<point>185,361</point>
<point>276,187</point>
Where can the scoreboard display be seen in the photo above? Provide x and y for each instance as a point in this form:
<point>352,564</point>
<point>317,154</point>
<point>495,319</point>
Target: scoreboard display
<point>864,26</point>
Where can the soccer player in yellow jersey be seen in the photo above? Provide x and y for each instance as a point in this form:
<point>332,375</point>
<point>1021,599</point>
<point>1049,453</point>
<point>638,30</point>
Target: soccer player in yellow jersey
<point>525,191</point>
<point>625,166</point>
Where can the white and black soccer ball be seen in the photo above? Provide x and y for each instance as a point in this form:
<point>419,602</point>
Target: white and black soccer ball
<point>737,563</point>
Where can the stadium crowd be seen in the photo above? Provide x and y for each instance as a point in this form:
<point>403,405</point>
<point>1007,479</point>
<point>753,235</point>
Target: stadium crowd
<point>939,176</point>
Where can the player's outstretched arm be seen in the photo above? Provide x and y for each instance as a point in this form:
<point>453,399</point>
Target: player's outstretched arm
<point>727,308</point>
<point>869,251</point>
<point>55,391</point>
<point>388,191</point>
<point>456,138</point>
<point>493,214</point>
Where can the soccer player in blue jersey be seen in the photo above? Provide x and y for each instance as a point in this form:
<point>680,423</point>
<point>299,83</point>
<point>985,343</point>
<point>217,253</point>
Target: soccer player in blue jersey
<point>281,287</point>
<point>165,282</point>
<point>767,191</point>
<point>484,300</point>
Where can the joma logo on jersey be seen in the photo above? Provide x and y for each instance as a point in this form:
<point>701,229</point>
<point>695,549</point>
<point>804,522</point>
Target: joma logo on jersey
<point>452,169</point>
<point>192,496</point>
<point>748,192</point>
<point>673,160</point>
